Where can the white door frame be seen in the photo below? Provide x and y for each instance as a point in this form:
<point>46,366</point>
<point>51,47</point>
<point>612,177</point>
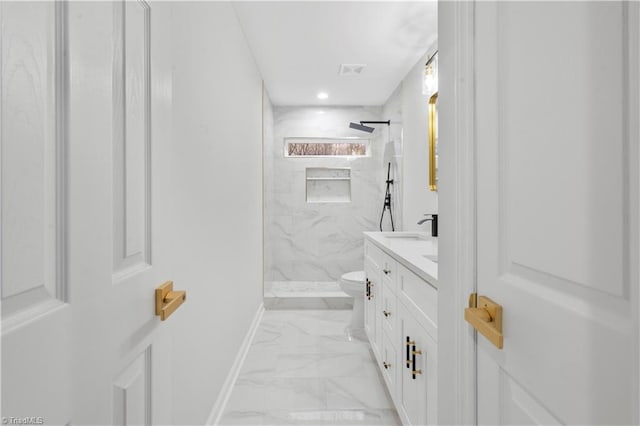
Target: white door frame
<point>457,207</point>
<point>457,201</point>
<point>634,152</point>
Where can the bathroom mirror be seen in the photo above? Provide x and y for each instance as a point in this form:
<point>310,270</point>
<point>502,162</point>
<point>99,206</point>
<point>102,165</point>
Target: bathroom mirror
<point>433,142</point>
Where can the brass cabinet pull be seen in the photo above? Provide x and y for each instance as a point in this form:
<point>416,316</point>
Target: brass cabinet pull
<point>386,271</point>
<point>386,314</point>
<point>386,365</point>
<point>486,318</point>
<point>409,343</point>
<point>414,352</point>
<point>411,357</point>
<point>167,300</point>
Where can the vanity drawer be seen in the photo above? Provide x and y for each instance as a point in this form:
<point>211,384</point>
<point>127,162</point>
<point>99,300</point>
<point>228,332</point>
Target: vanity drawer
<point>419,297</point>
<point>389,310</point>
<point>389,269</point>
<point>373,253</point>
<point>389,364</point>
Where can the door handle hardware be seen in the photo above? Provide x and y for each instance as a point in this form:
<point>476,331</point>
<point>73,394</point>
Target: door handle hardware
<point>167,300</point>
<point>386,314</point>
<point>416,352</point>
<point>368,289</point>
<point>415,372</point>
<point>386,271</point>
<point>386,365</point>
<point>486,318</point>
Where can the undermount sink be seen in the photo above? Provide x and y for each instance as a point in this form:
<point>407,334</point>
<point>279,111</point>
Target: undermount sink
<point>431,257</point>
<point>404,236</point>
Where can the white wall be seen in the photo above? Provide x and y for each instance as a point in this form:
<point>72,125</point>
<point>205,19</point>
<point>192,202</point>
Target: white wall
<point>408,106</point>
<point>217,171</point>
<point>267,183</point>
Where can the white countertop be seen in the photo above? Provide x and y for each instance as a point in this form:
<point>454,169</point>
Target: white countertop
<point>410,248</point>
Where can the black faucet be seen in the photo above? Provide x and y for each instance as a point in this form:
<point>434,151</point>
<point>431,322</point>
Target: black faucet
<point>434,223</point>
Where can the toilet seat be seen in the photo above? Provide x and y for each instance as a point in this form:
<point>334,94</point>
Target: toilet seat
<point>355,277</point>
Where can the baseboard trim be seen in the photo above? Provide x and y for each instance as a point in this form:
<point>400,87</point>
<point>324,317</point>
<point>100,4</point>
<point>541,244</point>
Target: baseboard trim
<point>227,387</point>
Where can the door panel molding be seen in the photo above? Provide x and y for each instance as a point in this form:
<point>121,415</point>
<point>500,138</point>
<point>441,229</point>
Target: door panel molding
<point>132,138</point>
<point>34,186</point>
<point>540,163</point>
<point>132,392</point>
<point>614,308</point>
<point>528,409</point>
<point>601,307</point>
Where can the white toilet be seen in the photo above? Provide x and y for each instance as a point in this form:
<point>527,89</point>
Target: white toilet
<point>352,283</point>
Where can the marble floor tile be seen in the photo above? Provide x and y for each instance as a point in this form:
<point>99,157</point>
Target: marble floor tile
<point>362,417</point>
<point>318,365</point>
<point>301,369</point>
<point>272,393</point>
<point>357,392</point>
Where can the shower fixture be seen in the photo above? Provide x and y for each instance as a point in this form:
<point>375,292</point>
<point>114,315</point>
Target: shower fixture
<point>387,204</point>
<point>367,129</point>
<point>387,200</point>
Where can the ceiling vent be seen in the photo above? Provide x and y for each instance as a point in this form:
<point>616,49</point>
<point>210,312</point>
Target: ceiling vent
<point>351,69</point>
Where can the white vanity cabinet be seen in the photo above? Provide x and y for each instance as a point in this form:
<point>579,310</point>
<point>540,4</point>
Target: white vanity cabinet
<point>415,393</point>
<point>373,265</point>
<point>372,283</point>
<point>401,324</point>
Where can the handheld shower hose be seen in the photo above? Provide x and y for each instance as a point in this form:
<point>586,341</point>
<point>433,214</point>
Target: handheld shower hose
<point>387,199</point>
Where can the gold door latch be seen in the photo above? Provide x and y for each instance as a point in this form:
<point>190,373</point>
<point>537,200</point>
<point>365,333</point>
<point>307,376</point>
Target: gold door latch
<point>485,316</point>
<point>167,300</point>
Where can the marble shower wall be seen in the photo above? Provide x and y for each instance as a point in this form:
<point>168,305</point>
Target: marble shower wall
<point>392,110</point>
<point>319,241</point>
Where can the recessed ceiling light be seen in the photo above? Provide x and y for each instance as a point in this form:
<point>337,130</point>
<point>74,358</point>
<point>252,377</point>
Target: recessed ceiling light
<point>323,95</point>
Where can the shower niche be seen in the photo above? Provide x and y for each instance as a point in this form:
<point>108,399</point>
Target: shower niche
<point>328,185</point>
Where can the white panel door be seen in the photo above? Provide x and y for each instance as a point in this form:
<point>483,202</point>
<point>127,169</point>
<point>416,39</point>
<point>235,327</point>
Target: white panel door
<point>119,119</point>
<point>557,205</point>
<point>86,103</point>
<point>36,318</point>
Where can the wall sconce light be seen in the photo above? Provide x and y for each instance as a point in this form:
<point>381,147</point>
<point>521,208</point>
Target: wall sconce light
<point>430,76</point>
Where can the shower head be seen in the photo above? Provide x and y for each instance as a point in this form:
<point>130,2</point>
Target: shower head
<point>367,129</point>
<point>361,127</point>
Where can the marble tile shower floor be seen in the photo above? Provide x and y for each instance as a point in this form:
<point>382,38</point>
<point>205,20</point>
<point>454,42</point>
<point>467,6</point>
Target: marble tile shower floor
<point>301,369</point>
<point>305,295</point>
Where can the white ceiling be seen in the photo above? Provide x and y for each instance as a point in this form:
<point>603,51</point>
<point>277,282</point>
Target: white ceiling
<point>299,46</point>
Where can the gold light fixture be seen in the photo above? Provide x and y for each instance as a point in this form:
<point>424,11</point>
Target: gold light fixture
<point>430,76</point>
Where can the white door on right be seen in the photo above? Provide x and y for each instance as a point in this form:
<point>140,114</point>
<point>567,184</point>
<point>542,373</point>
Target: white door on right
<point>557,210</point>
